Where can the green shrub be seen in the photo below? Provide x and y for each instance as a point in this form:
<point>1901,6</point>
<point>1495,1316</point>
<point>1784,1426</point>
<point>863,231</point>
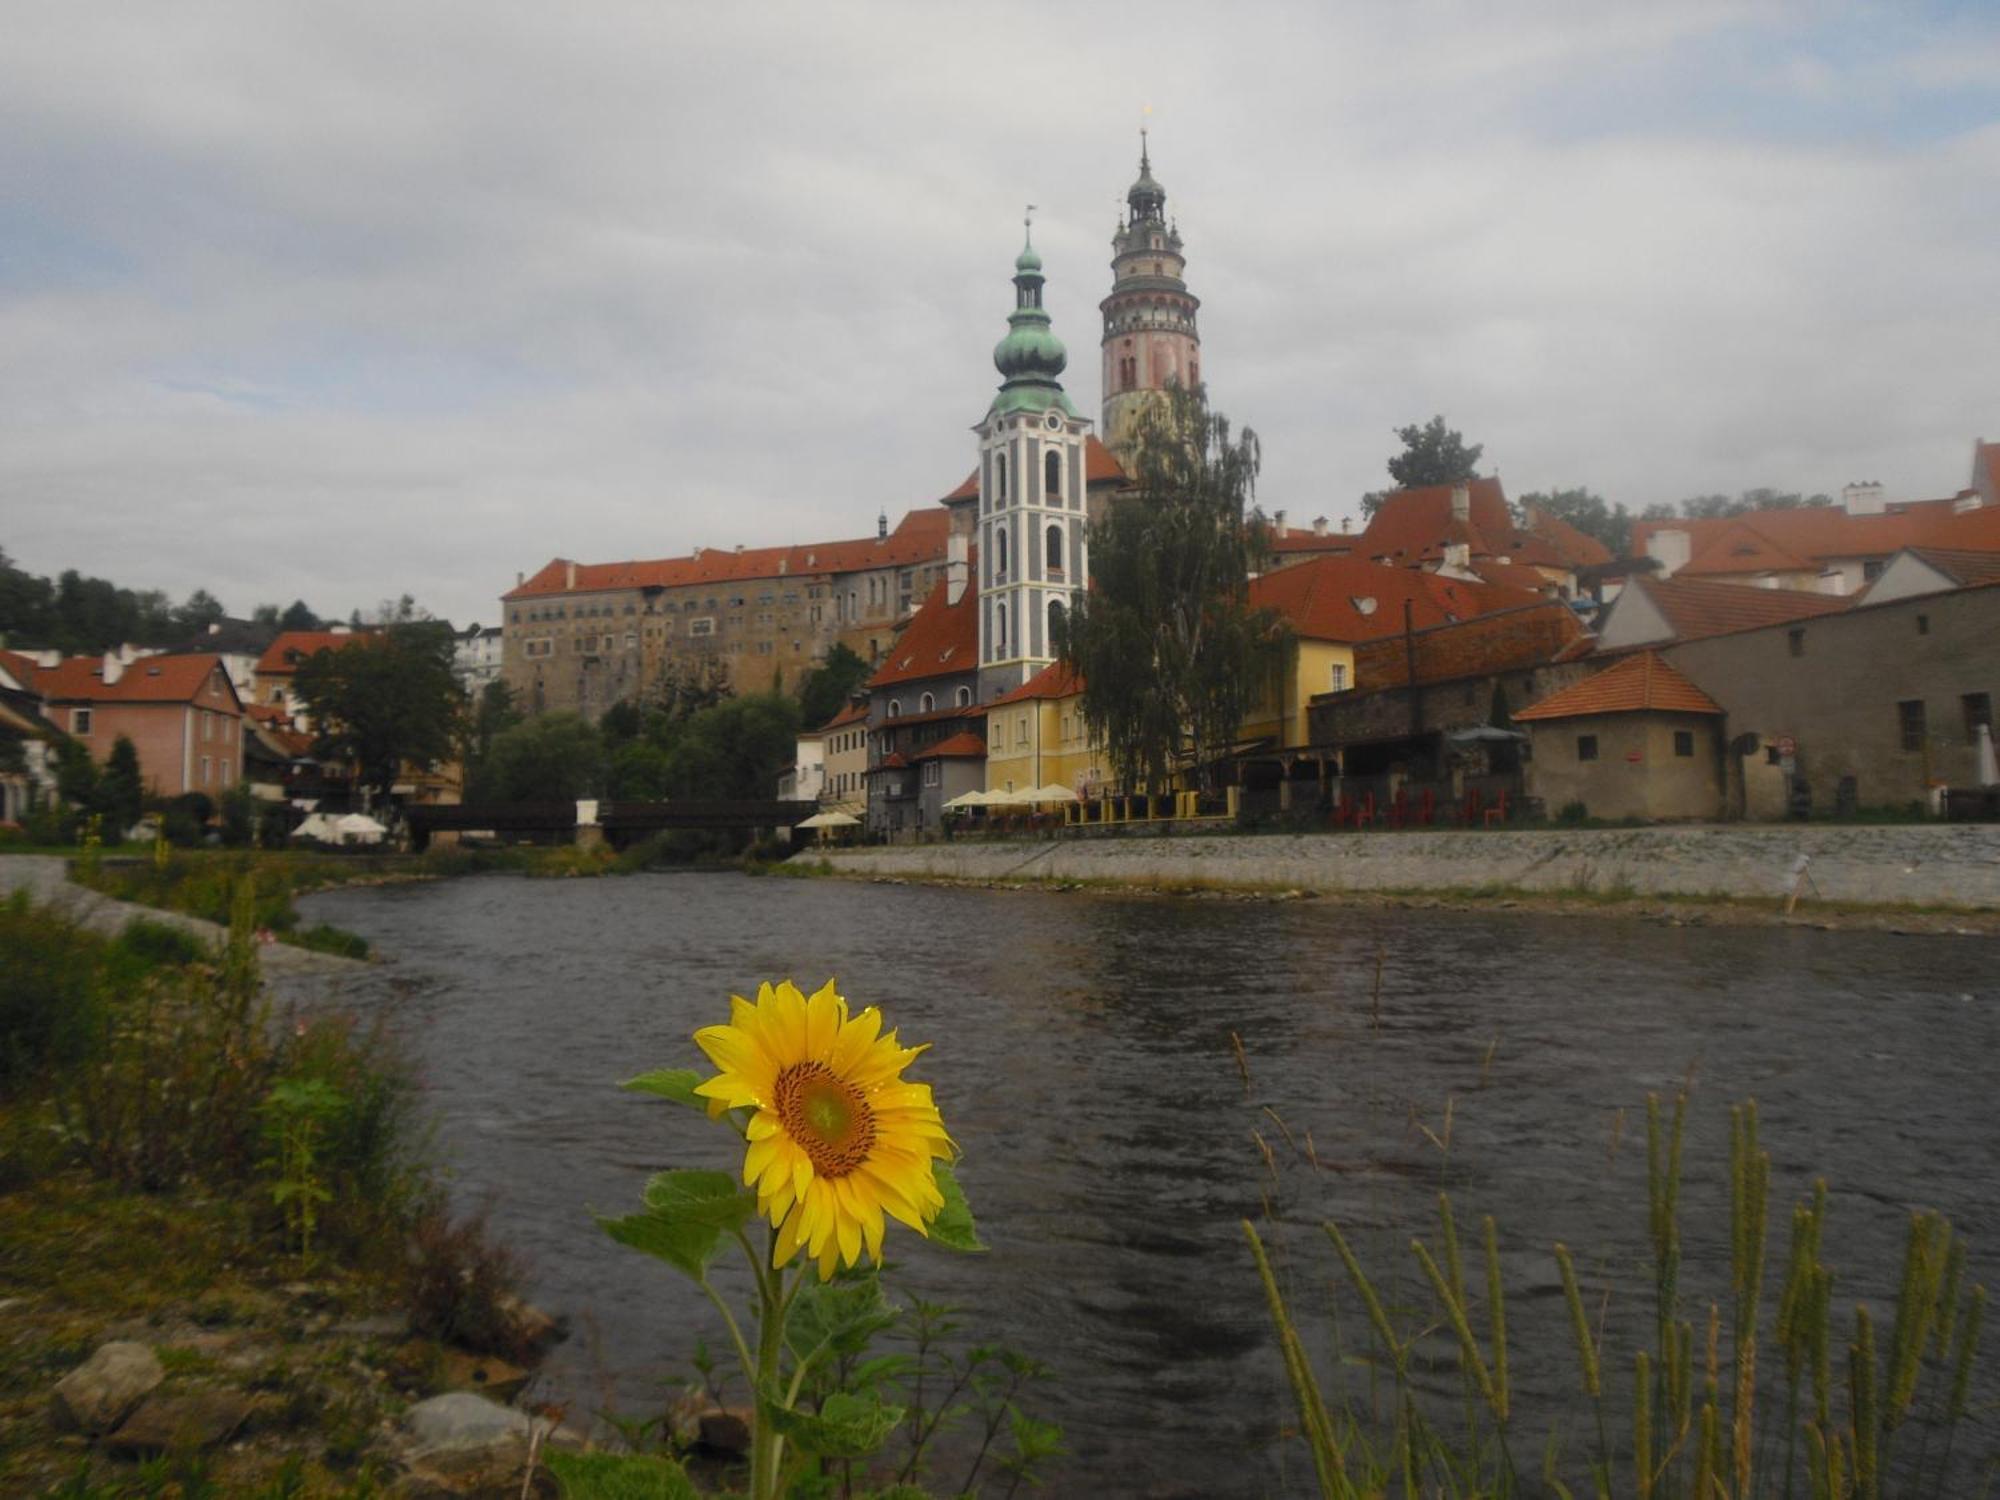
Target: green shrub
<point>52,1003</point>
<point>159,944</point>
<point>324,938</point>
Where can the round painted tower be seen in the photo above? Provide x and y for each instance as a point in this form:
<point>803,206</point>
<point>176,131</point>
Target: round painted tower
<point>1151,340</point>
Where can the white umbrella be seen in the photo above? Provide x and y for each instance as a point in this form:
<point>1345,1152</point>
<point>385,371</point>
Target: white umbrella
<point>830,820</point>
<point>1054,793</point>
<point>1989,766</point>
<point>973,798</point>
<point>359,827</point>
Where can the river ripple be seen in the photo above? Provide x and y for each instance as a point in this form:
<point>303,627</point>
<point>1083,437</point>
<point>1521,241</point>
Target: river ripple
<point>1083,1061</point>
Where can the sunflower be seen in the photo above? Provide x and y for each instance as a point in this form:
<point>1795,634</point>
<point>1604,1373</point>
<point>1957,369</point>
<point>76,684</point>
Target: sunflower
<point>838,1138</point>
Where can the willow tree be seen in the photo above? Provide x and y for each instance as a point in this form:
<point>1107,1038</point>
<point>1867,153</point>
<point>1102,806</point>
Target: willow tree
<point>1172,655</point>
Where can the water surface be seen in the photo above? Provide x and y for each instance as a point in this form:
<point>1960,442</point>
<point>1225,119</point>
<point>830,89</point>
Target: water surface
<point>1083,1060</point>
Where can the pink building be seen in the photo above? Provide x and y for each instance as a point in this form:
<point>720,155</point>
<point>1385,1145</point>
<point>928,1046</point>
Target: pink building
<point>180,712</point>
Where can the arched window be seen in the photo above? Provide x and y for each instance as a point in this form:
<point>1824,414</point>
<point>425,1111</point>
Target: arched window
<point>1000,550</point>
<point>962,697</point>
<point>926,703</point>
<point>1052,476</point>
<point>1054,549</point>
<point>1055,623</point>
<point>895,708</point>
<point>1000,475</point>
<point>999,631</point>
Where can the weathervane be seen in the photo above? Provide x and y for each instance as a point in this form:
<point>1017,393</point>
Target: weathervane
<point>1028,221</point>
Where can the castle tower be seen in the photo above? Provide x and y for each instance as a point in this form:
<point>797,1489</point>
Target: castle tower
<point>1150,337</point>
<point>1032,561</point>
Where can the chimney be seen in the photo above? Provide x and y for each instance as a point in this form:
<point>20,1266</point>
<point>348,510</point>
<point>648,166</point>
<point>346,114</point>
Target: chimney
<point>113,668</point>
<point>1862,499</point>
<point>519,579</point>
<point>569,575</point>
<point>695,555</point>
<point>1319,525</point>
<point>1345,523</point>
<point>1461,502</point>
<point>1670,548</point>
<point>215,627</point>
<point>784,566</point>
<point>956,571</point>
<point>1278,528</point>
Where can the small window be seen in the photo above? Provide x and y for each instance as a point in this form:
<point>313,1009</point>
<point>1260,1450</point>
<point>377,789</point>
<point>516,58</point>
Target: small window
<point>1797,640</point>
<point>704,625</point>
<point>1684,742</point>
<point>1923,624</point>
<point>926,704</point>
<point>1586,747</point>
<point>1021,730</point>
<point>1337,677</point>
<point>962,697</point>
<point>933,772</point>
<point>1978,714</point>
<point>1910,722</point>
<point>79,721</point>
<point>1000,550</point>
<point>895,708</point>
<point>1870,571</point>
<point>1054,548</point>
<point>204,770</point>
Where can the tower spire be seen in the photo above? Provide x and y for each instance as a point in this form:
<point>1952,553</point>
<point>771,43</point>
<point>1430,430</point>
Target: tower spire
<point>1151,340</point>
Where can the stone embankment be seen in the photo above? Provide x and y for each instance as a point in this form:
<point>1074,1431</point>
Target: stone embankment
<point>1955,865</point>
<point>45,877</point>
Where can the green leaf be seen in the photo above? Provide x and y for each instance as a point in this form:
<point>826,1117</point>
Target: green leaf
<point>953,1227</point>
<point>845,1426</point>
<point>619,1476</point>
<point>693,1196</point>
<point>677,1084</point>
<point>844,1315</point>
<point>685,1245</point>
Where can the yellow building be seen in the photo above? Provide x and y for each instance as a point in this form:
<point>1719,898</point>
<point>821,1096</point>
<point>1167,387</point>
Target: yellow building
<point>1035,736</point>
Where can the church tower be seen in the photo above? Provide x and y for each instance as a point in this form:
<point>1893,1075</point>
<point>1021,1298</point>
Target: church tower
<point>1032,562</point>
<point>1150,338</point>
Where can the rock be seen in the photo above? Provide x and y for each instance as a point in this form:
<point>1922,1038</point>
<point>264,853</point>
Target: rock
<point>535,1328</point>
<point>199,1419</point>
<point>101,1392</point>
<point>484,1374</point>
<point>724,1429</point>
<point>462,1422</point>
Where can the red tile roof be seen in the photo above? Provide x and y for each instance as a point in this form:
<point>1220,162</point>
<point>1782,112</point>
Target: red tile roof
<point>294,646</point>
<point>1347,599</point>
<point>150,679</point>
<point>1641,683</point>
<point>854,713</point>
<point>1513,575</point>
<point>1696,608</point>
<point>893,761</point>
<point>1804,538</point>
<point>1296,539</point>
<point>1965,568</point>
<point>941,640</point>
<point>23,669</point>
<point>1506,640</point>
<point>1576,549</point>
<point>1410,524</point>
<point>963,745</point>
<point>918,538</point>
<point>1053,681</point>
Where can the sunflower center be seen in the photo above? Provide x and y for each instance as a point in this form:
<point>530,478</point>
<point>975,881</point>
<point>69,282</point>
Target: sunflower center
<point>827,1116</point>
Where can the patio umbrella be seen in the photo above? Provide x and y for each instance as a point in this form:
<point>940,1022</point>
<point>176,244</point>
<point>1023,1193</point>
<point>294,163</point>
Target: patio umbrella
<point>973,798</point>
<point>830,820</point>
<point>1054,793</point>
<point>1989,766</point>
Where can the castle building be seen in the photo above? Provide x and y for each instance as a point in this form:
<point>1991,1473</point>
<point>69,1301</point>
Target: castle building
<point>1150,337</point>
<point>1033,495</point>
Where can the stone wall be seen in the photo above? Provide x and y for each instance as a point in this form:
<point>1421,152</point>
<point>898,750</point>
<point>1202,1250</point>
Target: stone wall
<point>1925,865</point>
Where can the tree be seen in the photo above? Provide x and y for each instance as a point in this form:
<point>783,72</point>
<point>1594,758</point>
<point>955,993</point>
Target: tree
<point>298,617</point>
<point>120,791</point>
<point>1432,454</point>
<point>1587,512</point>
<point>385,698</point>
<point>1171,653</point>
<point>621,722</point>
<point>202,610</point>
<point>76,776</point>
<point>555,758</point>
<point>735,749</point>
<point>826,691</point>
<point>495,712</point>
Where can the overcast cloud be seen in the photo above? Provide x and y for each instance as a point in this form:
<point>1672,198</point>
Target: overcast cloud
<point>348,301</point>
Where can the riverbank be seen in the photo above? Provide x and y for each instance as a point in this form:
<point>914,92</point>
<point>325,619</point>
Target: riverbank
<point>1942,878</point>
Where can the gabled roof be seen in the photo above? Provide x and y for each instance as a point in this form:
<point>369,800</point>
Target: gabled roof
<point>23,669</point>
<point>1573,548</point>
<point>294,646</point>
<point>941,641</point>
<point>150,679</point>
<point>1347,599</point>
<point>964,745</point>
<point>854,713</point>
<point>1053,681</point>
<point>1505,640</point>
<point>1695,608</point>
<point>1637,684</point>
<point>1807,537</point>
<point>1964,568</point>
<point>918,538</point>
<point>1298,539</point>
<point>1410,525</point>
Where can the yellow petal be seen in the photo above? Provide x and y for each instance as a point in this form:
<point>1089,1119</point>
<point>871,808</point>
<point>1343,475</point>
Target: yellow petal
<point>824,1013</point>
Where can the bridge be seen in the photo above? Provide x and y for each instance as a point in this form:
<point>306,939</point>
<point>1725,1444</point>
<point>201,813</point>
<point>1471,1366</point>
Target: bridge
<point>615,823</point>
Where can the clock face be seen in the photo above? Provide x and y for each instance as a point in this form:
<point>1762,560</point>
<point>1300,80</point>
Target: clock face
<point>1052,422</point>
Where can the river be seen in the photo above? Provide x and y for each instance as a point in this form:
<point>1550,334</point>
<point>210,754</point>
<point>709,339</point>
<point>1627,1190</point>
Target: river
<point>1083,1059</point>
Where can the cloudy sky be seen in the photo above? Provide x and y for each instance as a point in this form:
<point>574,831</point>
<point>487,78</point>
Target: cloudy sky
<point>346,301</point>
